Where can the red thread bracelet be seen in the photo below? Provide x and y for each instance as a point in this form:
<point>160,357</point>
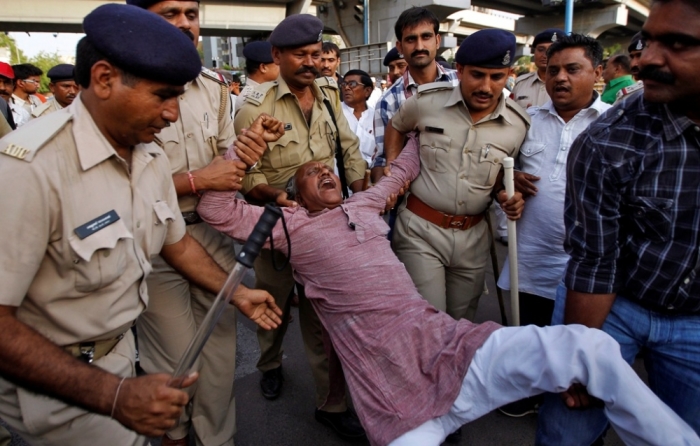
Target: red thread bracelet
<point>191,178</point>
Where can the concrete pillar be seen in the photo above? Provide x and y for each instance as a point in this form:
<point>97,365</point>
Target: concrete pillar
<point>592,22</point>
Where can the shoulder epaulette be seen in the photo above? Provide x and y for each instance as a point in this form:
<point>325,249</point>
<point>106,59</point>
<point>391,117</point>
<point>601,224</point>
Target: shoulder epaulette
<point>41,109</point>
<point>257,96</point>
<point>522,77</point>
<point>326,81</point>
<point>511,104</point>
<point>627,90</point>
<point>213,75</point>
<point>26,141</point>
<point>434,86</point>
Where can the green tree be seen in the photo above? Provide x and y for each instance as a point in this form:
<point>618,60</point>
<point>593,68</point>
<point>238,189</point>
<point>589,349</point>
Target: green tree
<point>613,49</point>
<point>45,61</point>
<point>16,54</point>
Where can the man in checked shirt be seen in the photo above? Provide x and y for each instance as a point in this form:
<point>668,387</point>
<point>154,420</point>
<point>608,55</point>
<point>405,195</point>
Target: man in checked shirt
<point>632,217</point>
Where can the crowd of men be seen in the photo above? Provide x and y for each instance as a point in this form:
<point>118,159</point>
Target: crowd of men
<point>128,216</point>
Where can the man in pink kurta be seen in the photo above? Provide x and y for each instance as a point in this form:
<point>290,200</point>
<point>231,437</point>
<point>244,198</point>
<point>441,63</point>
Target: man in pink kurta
<point>405,362</point>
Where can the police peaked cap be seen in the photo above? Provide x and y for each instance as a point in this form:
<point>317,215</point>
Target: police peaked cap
<point>61,72</point>
<point>142,43</point>
<point>637,44</point>
<point>297,30</point>
<point>487,48</point>
<point>145,4</point>
<point>548,36</point>
<point>259,51</point>
<point>391,56</point>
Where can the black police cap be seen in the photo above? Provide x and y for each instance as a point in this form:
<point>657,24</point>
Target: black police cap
<point>637,44</point>
<point>61,72</point>
<point>391,56</point>
<point>142,43</point>
<point>145,4</point>
<point>487,48</point>
<point>550,35</point>
<point>297,30</point>
<point>259,51</point>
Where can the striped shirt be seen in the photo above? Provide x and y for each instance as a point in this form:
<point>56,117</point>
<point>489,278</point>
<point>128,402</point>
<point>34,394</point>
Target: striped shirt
<point>393,99</point>
<point>632,209</point>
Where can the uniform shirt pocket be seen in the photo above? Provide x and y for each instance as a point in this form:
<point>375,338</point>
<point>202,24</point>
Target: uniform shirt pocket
<point>434,151</point>
<point>284,152</point>
<point>532,157</point>
<point>210,133</point>
<point>489,159</point>
<point>100,258</point>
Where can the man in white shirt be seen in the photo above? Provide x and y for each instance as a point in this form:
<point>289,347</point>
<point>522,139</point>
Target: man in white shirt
<point>356,88</point>
<point>574,64</point>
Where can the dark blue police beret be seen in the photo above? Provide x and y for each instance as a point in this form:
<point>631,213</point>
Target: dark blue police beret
<point>259,51</point>
<point>637,44</point>
<point>142,43</point>
<point>487,48</point>
<point>61,72</point>
<point>548,36</point>
<point>391,56</point>
<point>145,4</point>
<point>297,30</point>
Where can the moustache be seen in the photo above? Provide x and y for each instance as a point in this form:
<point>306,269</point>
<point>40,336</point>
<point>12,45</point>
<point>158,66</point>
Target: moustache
<point>482,94</point>
<point>311,70</point>
<point>189,34</point>
<point>419,52</point>
<point>654,73</point>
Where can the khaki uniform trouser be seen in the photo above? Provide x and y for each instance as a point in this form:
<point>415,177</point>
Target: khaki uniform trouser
<point>44,421</point>
<point>330,393</point>
<point>175,310</point>
<point>446,265</point>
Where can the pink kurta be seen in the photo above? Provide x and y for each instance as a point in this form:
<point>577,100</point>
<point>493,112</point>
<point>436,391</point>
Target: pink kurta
<point>404,361</point>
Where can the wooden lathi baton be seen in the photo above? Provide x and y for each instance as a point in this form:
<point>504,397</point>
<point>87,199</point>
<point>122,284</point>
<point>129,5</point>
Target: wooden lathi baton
<point>508,181</point>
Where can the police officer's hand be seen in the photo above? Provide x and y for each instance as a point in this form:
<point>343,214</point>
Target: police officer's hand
<point>512,207</point>
<point>258,306</point>
<point>221,174</point>
<point>523,183</point>
<point>148,406</point>
<point>284,202</point>
<point>393,198</point>
<point>270,128</point>
<point>251,143</point>
<point>577,397</point>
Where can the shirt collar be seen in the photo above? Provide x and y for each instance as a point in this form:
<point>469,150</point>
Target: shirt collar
<point>675,124</point>
<point>442,75</point>
<point>618,80</point>
<point>598,106</point>
<point>93,148</point>
<point>18,100</point>
<point>283,89</point>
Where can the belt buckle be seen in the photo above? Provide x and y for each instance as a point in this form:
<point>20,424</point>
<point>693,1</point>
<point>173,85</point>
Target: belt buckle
<point>456,224</point>
<point>87,352</point>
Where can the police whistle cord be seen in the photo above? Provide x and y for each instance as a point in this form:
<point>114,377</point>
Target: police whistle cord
<point>508,164</point>
<point>245,260</point>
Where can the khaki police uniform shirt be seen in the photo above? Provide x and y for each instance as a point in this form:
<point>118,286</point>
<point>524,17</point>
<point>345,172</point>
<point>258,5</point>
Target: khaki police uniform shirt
<point>47,107</point>
<point>460,159</point>
<point>198,135</point>
<point>250,86</point>
<point>530,91</point>
<point>71,184</point>
<point>301,142</point>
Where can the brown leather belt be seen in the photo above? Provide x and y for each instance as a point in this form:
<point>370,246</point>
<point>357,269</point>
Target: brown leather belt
<point>445,221</point>
<point>92,351</point>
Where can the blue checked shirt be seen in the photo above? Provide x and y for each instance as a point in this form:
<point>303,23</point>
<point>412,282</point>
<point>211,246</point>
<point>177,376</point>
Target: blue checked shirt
<point>632,210</point>
<point>393,99</point>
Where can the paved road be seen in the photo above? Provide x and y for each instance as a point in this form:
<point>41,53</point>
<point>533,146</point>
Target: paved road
<point>288,421</point>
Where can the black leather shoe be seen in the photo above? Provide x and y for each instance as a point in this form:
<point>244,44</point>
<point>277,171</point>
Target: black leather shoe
<point>271,383</point>
<point>345,424</point>
<point>455,437</point>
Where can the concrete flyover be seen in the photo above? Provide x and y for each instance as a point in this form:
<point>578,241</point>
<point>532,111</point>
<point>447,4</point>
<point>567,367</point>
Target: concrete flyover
<point>218,17</point>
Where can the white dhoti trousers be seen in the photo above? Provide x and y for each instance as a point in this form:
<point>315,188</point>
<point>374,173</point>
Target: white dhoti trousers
<point>517,362</point>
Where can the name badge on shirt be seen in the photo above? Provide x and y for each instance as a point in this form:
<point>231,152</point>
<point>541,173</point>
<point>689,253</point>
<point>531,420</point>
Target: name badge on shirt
<point>434,130</point>
<point>287,126</point>
<point>95,225</point>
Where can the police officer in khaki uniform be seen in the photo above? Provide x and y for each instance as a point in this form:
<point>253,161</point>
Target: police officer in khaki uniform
<point>97,203</point>
<point>465,132</point>
<point>297,99</point>
<point>62,86</point>
<point>529,89</point>
<point>193,144</point>
<point>259,68</point>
